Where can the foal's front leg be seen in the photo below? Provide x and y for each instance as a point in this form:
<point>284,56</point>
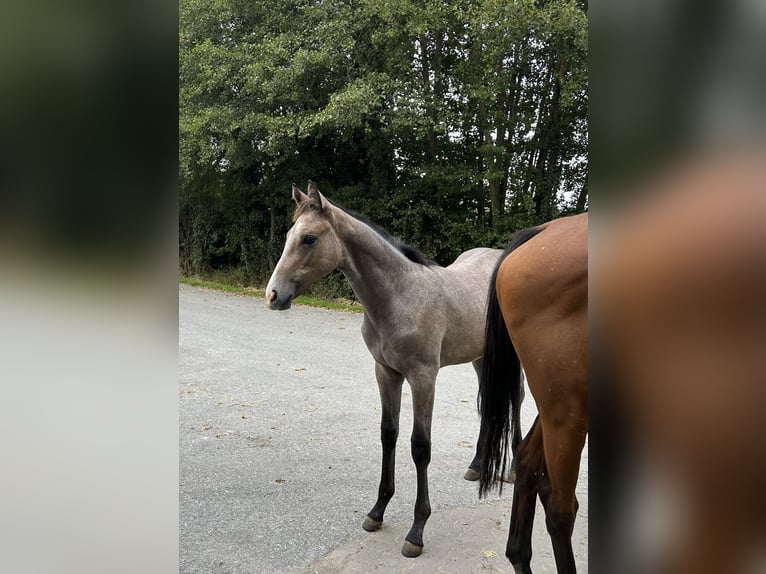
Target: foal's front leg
<point>422,385</point>
<point>390,387</point>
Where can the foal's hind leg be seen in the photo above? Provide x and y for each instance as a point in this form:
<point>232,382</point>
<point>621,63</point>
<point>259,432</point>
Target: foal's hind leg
<point>474,469</point>
<point>530,465</point>
<point>390,388</point>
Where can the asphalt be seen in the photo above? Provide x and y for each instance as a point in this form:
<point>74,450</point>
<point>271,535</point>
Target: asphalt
<point>280,452</point>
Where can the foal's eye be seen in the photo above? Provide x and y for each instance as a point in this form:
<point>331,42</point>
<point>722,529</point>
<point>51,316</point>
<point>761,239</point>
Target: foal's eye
<point>309,239</point>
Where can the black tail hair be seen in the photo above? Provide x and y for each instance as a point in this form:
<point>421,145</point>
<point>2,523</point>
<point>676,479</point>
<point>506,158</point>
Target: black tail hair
<point>499,399</point>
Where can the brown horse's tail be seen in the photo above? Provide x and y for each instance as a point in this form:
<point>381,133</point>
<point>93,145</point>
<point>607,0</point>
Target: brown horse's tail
<point>500,389</point>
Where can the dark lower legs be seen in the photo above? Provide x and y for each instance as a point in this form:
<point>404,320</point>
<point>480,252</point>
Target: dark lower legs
<point>529,465</point>
<point>557,492</point>
<point>560,524</point>
<point>389,431</point>
<point>474,469</point>
<point>390,387</point>
<point>421,455</point>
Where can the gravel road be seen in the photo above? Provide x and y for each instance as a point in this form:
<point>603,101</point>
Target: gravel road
<point>280,452</point>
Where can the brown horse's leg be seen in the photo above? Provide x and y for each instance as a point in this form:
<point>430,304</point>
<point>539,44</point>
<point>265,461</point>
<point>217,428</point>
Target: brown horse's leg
<point>390,387</point>
<point>529,465</point>
<point>422,404</point>
<point>563,447</point>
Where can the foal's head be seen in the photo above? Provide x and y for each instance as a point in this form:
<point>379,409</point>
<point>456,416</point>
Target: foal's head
<point>312,249</point>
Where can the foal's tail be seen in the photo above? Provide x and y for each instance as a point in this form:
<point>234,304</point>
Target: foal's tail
<point>500,388</point>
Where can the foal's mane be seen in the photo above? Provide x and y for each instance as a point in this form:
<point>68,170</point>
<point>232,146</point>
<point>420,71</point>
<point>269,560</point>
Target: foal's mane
<point>410,252</point>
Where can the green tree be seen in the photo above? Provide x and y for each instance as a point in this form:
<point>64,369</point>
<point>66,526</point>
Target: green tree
<point>448,122</point>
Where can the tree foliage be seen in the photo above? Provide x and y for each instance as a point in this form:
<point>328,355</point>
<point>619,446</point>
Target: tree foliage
<point>448,122</point>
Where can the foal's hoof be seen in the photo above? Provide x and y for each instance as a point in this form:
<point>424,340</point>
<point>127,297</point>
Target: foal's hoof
<point>371,525</point>
<point>472,475</point>
<point>411,550</point>
<point>510,477</point>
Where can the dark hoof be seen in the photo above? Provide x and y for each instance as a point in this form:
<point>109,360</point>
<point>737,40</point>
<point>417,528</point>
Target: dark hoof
<point>371,525</point>
<point>472,475</point>
<point>411,550</point>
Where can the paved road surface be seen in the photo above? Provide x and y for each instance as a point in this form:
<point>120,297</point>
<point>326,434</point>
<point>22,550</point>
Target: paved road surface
<point>280,452</point>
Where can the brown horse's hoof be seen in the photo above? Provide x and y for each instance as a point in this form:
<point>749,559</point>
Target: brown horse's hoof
<point>472,475</point>
<point>371,525</point>
<point>411,550</point>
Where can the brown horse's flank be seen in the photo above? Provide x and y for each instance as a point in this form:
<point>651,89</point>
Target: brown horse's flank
<point>539,298</point>
<point>682,304</point>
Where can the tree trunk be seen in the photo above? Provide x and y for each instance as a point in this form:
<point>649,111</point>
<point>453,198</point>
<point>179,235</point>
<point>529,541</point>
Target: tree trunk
<point>497,201</point>
<point>548,165</point>
<point>582,197</point>
<point>428,98</point>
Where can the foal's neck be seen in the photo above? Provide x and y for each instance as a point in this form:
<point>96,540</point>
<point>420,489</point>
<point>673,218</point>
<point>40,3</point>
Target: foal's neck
<point>377,270</point>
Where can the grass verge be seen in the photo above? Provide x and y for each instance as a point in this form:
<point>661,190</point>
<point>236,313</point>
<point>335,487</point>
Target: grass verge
<point>253,292</point>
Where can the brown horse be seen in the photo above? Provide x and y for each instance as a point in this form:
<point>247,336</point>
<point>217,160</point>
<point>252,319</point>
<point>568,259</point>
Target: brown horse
<point>682,312</point>
<point>537,319</point>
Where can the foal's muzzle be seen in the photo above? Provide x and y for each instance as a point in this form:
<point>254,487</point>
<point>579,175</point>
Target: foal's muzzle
<point>272,298</point>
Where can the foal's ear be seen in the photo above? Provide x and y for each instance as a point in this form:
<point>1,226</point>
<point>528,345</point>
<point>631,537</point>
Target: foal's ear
<point>316,195</point>
<point>298,196</point>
